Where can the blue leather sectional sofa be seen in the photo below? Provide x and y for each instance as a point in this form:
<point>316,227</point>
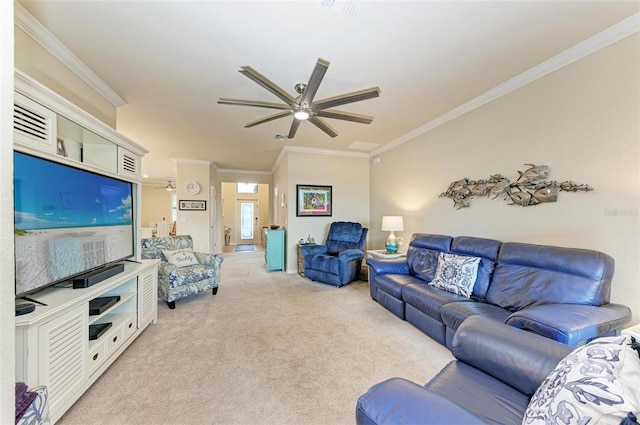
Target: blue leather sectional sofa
<point>559,293</point>
<point>496,371</point>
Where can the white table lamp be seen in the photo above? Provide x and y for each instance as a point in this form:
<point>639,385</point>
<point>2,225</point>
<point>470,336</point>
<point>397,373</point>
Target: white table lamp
<point>392,223</point>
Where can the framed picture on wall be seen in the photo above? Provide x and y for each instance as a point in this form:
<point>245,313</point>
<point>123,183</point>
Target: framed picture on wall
<point>192,205</point>
<point>313,200</point>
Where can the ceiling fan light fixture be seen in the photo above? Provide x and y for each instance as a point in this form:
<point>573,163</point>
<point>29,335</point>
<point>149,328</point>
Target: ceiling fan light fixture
<point>301,115</point>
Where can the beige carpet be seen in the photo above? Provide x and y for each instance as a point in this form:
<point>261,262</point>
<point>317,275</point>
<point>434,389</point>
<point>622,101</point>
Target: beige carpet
<point>269,348</point>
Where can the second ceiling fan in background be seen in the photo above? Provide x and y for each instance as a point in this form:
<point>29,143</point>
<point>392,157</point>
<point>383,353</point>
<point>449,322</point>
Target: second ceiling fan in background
<point>303,107</point>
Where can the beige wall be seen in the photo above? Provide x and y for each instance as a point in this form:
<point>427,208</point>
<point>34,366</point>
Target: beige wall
<point>156,205</point>
<point>581,120</point>
<point>38,63</point>
<point>349,178</point>
<point>195,223</point>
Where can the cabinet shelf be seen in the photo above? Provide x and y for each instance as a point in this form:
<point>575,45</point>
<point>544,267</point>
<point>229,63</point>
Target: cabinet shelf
<point>52,343</point>
<point>120,305</point>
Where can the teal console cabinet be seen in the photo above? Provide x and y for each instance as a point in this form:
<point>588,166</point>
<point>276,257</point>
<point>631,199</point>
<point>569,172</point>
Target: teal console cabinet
<point>274,249</point>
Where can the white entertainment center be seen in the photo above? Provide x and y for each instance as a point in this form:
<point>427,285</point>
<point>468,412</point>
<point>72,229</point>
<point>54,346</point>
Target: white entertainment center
<point>54,345</point>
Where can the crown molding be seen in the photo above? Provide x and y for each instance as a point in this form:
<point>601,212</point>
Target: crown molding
<point>30,25</point>
<point>315,151</point>
<point>234,171</point>
<point>192,161</point>
<point>617,32</point>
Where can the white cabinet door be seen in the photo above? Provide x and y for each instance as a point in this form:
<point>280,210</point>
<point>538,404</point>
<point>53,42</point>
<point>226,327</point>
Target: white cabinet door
<point>62,346</point>
<point>148,297</point>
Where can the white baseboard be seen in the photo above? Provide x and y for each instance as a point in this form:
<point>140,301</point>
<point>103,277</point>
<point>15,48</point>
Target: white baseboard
<point>634,331</point>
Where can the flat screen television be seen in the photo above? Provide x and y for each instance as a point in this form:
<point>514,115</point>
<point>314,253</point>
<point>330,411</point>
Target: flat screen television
<point>67,221</point>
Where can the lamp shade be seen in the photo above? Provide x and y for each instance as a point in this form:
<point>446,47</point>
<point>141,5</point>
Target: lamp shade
<point>392,223</point>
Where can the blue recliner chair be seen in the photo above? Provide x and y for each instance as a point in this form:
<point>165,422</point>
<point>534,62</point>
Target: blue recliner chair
<point>339,260</point>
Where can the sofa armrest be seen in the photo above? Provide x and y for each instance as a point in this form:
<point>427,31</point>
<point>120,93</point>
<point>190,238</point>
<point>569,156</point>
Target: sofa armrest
<point>389,266</point>
<point>571,324</point>
<point>313,250</point>
<point>208,259</point>
<point>518,358</point>
<point>167,268</point>
<point>350,255</point>
<point>398,401</point>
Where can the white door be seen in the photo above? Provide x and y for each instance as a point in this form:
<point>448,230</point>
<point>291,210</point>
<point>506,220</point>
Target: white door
<point>247,222</point>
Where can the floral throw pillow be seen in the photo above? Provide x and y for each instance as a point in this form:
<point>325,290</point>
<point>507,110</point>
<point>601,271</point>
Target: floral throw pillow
<point>595,384</point>
<point>181,257</point>
<point>456,273</point>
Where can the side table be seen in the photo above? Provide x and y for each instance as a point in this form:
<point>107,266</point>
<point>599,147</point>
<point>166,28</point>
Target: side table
<point>382,253</point>
<point>301,258</point>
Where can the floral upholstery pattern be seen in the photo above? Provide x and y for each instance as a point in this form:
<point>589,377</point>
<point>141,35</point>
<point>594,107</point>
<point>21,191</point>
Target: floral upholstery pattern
<point>176,282</point>
<point>595,384</point>
<point>38,410</point>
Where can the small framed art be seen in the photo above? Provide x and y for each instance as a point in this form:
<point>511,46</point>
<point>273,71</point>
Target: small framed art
<point>313,200</point>
<point>192,205</point>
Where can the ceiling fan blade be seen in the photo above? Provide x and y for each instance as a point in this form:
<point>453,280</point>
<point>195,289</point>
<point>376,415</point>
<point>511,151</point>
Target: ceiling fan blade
<point>314,82</point>
<point>355,96</point>
<point>267,119</point>
<point>268,84</point>
<point>322,125</point>
<point>294,127</point>
<point>256,103</point>
<point>346,116</point>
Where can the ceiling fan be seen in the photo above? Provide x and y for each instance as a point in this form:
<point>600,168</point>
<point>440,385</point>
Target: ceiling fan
<point>303,107</point>
<point>168,186</point>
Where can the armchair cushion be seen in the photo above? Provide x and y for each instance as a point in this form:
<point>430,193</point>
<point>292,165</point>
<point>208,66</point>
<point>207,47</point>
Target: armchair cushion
<point>181,257</point>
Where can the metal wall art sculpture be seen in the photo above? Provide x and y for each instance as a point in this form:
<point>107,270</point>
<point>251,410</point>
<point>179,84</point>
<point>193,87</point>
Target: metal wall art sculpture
<point>529,189</point>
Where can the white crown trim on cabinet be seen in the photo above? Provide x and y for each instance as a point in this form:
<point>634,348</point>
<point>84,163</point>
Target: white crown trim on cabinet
<point>30,25</point>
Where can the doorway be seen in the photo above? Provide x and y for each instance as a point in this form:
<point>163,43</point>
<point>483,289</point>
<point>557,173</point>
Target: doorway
<point>247,222</point>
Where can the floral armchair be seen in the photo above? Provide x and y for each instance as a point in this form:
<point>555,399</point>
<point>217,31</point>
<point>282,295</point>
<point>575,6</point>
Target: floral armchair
<point>182,272</point>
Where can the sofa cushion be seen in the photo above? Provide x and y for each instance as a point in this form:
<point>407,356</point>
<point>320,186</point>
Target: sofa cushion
<point>423,252</point>
<point>428,299</point>
<point>343,235</point>
<point>456,273</point>
<point>392,284</point>
<point>153,247</point>
<point>453,314</point>
<point>480,394</point>
<point>326,263</point>
<point>529,274</point>
<point>190,274</point>
<point>180,257</point>
<point>596,383</point>
<point>487,250</point>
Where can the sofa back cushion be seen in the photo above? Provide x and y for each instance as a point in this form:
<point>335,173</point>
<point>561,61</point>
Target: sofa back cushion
<point>153,247</point>
<point>487,250</point>
<point>423,252</point>
<point>529,274</point>
<point>345,235</point>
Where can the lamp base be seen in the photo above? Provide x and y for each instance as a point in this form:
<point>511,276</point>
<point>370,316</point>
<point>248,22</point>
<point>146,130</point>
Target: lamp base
<point>391,246</point>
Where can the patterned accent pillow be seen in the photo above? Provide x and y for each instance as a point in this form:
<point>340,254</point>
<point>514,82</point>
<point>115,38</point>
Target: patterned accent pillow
<point>595,384</point>
<point>181,257</point>
<point>456,273</point>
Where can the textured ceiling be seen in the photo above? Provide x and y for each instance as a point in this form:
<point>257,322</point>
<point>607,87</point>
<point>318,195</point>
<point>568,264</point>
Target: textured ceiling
<point>172,60</point>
